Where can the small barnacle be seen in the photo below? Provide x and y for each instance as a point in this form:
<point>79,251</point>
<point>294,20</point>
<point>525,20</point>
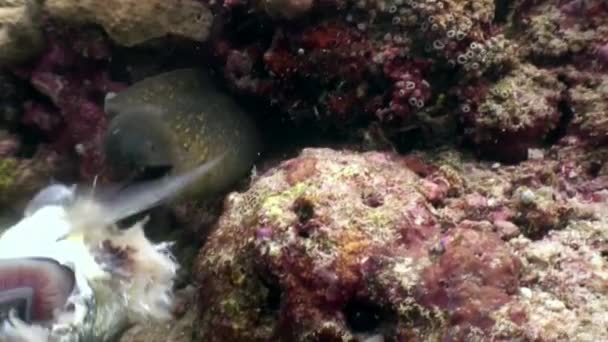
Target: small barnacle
<point>431,19</point>
<point>414,4</point>
<point>451,63</point>
<point>401,93</point>
<point>470,54</point>
<point>420,103</point>
<point>451,33</point>
<point>465,108</point>
<point>409,85</point>
<point>424,26</point>
<point>413,101</point>
<point>474,66</point>
<point>462,59</point>
<point>474,46</point>
<point>392,9</point>
<point>396,20</point>
<point>460,35</point>
<point>438,45</point>
<point>434,27</point>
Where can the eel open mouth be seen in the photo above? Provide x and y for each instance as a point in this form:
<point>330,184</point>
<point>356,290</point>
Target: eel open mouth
<point>34,287</point>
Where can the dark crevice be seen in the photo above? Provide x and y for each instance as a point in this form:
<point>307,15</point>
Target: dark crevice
<point>363,316</point>
<point>566,117</point>
<point>273,294</point>
<point>502,11</point>
<point>304,209</point>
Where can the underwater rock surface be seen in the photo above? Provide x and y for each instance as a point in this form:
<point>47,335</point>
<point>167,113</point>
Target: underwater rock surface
<point>501,71</point>
<point>133,22</point>
<point>343,246</point>
<point>20,30</point>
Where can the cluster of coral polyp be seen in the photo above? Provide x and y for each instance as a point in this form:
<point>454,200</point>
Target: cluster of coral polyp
<point>345,246</point>
<point>496,68</point>
<point>357,59</point>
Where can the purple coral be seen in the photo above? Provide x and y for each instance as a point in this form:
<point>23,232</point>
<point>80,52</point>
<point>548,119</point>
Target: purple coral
<point>73,74</point>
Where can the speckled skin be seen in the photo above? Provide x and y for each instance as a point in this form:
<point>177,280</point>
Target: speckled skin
<point>427,247</point>
<point>180,119</point>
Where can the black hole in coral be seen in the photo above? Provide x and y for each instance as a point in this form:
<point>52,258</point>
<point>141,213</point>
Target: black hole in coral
<point>595,168</point>
<point>566,117</point>
<point>272,300</point>
<point>362,316</point>
<point>372,199</point>
<point>304,209</point>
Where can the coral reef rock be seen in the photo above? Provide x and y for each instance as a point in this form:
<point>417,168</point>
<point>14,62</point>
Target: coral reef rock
<point>346,246</point>
<point>72,75</point>
<point>508,117</point>
<point>133,22</point>
<point>20,32</point>
<point>21,178</point>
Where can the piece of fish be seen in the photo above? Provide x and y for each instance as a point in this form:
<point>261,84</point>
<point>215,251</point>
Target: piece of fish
<point>177,120</point>
<point>69,274</point>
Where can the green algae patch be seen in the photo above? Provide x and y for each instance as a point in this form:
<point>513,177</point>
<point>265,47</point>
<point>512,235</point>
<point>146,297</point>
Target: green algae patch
<point>8,174</point>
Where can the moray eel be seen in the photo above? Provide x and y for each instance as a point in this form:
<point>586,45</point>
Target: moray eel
<point>172,122</point>
<point>69,274</point>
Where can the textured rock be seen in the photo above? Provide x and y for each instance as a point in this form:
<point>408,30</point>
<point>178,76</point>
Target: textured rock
<point>343,246</point>
<point>506,118</point>
<point>21,178</point>
<point>134,21</point>
<point>339,246</point>
<point>20,32</point>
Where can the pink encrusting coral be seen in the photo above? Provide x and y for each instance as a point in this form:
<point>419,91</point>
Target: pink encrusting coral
<point>325,72</point>
<point>72,74</point>
<point>398,61</point>
<point>345,246</point>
